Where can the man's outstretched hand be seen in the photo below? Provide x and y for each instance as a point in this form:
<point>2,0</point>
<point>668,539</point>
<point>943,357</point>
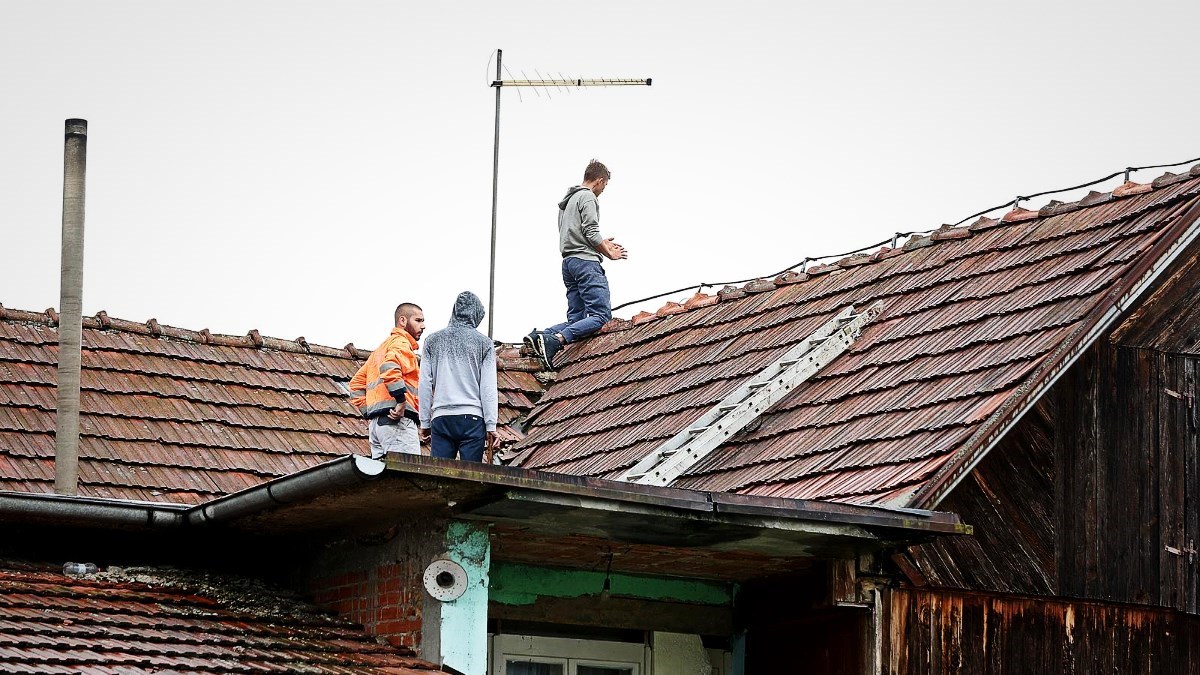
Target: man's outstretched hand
<point>612,250</point>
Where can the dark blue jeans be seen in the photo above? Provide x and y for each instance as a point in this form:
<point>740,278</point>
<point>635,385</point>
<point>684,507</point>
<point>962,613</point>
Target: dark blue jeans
<point>588,304</point>
<point>454,435</point>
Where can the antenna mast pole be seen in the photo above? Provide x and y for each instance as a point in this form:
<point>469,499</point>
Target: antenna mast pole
<point>499,83</point>
<point>495,183</point>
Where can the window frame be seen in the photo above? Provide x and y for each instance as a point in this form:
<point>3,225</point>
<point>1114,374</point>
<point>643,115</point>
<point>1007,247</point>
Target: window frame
<point>574,651</point>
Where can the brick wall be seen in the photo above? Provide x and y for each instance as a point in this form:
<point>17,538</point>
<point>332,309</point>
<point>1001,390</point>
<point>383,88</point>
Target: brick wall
<point>376,581</point>
<point>386,599</point>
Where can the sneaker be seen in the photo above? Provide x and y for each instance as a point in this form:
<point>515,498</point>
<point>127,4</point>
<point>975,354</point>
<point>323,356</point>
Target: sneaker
<point>531,342</point>
<point>548,345</point>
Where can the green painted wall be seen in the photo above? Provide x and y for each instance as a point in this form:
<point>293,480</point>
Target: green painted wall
<point>464,621</point>
<point>522,584</point>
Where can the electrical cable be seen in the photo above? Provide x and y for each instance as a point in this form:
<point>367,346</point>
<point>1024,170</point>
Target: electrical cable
<point>1110,176</point>
<point>892,240</point>
<point>703,285</point>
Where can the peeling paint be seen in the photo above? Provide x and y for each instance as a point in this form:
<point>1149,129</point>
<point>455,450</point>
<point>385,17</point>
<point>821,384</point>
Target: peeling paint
<point>464,621</point>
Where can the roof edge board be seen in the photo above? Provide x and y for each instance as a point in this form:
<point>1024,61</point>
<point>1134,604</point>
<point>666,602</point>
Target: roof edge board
<point>767,513</point>
<point>764,518</point>
<point>856,521</point>
<point>544,481</point>
<point>1123,298</point>
<point>939,522</point>
<point>589,493</point>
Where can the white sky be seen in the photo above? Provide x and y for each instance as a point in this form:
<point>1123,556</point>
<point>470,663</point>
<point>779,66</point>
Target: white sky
<point>300,168</point>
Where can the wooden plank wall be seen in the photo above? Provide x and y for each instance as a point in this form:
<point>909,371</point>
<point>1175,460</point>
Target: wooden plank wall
<point>1126,460</point>
<point>935,632</point>
<point>1090,495</point>
<point>1009,500</point>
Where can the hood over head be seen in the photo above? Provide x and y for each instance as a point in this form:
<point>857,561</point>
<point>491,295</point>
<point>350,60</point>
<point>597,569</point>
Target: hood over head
<point>570,192</point>
<point>468,309</point>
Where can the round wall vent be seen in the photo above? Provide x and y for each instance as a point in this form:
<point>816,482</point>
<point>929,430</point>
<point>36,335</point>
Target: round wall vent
<point>445,580</point>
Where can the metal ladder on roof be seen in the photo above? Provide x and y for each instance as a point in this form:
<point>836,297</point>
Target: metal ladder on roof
<point>746,403</point>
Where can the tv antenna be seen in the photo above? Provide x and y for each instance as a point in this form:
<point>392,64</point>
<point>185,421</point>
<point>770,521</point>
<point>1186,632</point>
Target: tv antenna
<point>499,83</point>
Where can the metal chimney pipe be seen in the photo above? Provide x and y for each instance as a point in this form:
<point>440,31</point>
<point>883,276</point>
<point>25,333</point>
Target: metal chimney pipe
<point>70,308</point>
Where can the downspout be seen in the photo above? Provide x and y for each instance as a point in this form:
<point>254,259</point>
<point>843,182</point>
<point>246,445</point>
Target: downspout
<point>70,319</point>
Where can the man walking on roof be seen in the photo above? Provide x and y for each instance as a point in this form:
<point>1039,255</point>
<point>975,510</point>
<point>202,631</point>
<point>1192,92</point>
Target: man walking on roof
<point>385,388</point>
<point>581,245</point>
<point>458,386</point>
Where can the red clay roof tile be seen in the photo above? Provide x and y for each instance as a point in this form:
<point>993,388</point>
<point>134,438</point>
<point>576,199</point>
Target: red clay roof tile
<point>700,300</point>
<point>1018,215</point>
<point>153,621</point>
<point>1129,188</point>
<point>188,415</point>
<point>967,321</point>
<point>670,308</point>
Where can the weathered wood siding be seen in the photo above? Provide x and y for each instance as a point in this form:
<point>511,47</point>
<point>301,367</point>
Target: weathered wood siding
<point>1095,494</point>
<point>1126,457</point>
<point>939,632</point>
<point>1009,500</point>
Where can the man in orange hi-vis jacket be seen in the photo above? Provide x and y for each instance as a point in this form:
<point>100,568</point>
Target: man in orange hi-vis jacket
<point>385,388</point>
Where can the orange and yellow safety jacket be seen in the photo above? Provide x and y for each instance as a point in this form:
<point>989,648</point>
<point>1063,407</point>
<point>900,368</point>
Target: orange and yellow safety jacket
<point>388,377</point>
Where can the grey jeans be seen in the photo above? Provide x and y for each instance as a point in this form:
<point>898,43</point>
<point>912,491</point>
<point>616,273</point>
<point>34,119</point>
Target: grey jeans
<point>399,437</point>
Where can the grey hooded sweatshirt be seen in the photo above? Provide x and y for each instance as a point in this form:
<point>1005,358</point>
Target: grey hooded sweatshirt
<point>579,225</point>
<point>458,367</point>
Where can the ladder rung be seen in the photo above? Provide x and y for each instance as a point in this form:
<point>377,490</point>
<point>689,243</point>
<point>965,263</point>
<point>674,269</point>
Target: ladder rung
<point>694,444</point>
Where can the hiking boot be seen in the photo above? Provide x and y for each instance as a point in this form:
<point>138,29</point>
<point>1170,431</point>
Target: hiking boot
<point>548,345</point>
<point>531,342</point>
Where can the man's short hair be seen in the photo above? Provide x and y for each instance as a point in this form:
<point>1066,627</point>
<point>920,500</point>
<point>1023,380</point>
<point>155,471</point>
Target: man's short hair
<point>406,310</point>
<point>595,170</point>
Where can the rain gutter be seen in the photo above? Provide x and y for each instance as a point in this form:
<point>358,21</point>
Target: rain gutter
<point>296,487</point>
<point>1172,242</point>
<point>128,514</point>
<point>89,511</point>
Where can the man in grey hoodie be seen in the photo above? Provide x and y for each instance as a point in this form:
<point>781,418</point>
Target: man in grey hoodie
<point>457,388</point>
<point>581,245</point>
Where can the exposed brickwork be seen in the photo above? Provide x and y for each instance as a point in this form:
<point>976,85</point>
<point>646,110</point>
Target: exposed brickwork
<point>378,583</point>
<point>385,599</point>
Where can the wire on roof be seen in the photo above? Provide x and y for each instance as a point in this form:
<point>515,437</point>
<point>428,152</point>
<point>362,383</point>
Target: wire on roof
<point>894,240</point>
<point>1128,170</point>
<point>803,264</point>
